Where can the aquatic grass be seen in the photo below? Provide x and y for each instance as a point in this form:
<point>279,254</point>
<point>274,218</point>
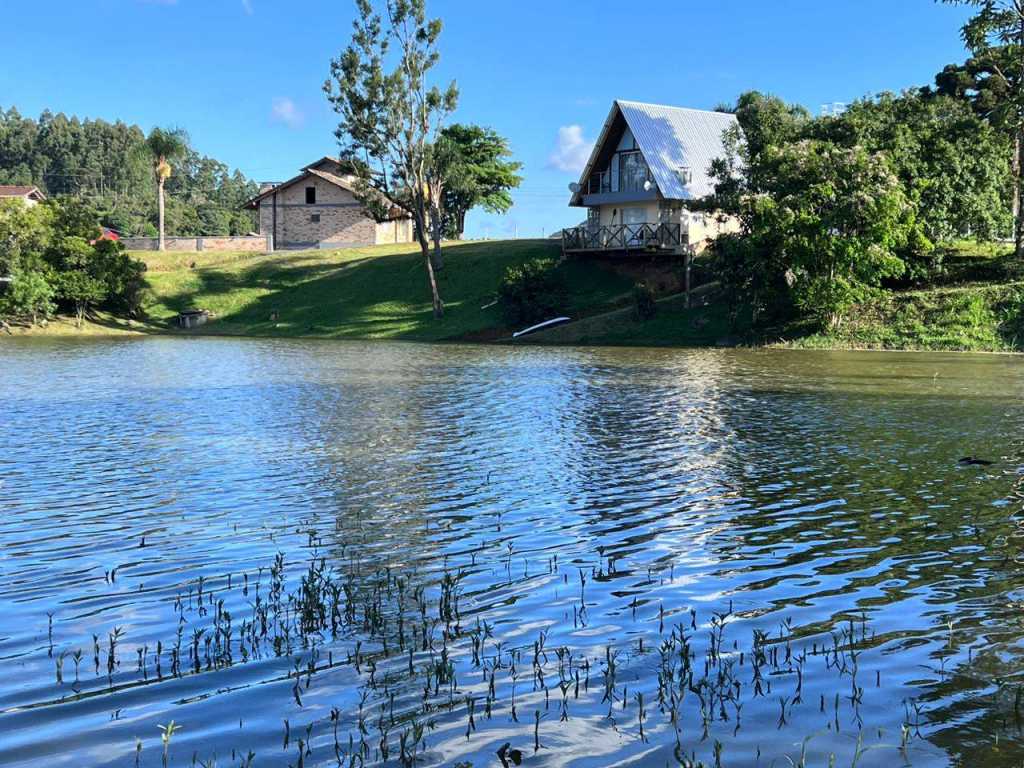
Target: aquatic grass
<point>404,630</point>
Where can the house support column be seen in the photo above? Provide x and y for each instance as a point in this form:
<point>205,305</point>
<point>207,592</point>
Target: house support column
<point>686,260</point>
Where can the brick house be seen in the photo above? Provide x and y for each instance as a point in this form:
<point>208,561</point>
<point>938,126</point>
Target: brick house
<point>318,209</point>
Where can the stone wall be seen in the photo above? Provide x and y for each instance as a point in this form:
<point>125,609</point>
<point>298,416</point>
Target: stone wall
<point>255,244</point>
<point>337,219</point>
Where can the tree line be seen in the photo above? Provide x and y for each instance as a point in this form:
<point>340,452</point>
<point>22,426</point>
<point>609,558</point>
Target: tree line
<point>834,209</point>
<point>110,166</point>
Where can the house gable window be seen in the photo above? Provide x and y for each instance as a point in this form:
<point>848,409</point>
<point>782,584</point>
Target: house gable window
<point>310,195</point>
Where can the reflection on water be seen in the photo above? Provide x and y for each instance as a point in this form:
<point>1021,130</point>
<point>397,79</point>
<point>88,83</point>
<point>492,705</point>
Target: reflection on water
<point>321,553</point>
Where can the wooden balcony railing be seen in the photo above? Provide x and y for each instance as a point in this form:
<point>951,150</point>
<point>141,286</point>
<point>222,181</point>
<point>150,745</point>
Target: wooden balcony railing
<point>623,237</point>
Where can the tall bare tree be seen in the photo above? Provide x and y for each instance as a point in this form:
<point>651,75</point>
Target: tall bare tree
<point>391,116</point>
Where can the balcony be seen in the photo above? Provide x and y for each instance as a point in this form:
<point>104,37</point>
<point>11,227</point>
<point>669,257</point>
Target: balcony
<point>632,183</point>
<point>623,238</point>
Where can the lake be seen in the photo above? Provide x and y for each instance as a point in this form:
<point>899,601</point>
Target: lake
<point>314,553</point>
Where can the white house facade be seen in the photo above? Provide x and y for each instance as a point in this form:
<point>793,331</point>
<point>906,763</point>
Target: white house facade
<point>648,161</point>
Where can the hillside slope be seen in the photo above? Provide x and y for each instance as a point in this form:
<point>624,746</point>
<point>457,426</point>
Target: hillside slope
<point>365,293</point>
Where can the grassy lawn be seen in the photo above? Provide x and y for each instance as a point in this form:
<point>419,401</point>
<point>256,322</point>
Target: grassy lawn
<point>973,301</point>
<point>366,293</point>
<point>674,325</point>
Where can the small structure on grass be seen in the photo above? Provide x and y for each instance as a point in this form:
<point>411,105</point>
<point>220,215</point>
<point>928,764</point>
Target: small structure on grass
<point>193,318</point>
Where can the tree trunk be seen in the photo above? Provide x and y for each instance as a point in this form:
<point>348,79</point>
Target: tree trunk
<point>435,296</point>
<point>421,236</point>
<point>160,210</point>
<point>435,228</point>
<point>1018,192</point>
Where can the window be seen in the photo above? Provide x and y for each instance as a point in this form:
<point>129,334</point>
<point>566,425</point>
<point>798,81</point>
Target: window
<point>310,195</point>
<point>634,215</point>
<point>315,218</point>
<point>632,172</point>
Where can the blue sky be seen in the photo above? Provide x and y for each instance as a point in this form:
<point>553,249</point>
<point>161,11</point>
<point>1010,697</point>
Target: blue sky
<point>244,77</point>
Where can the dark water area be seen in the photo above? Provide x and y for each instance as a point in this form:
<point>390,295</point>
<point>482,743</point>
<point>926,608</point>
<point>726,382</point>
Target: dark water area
<point>317,553</point>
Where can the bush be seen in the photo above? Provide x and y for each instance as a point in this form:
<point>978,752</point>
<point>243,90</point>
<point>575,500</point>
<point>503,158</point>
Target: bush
<point>29,295</point>
<point>644,305</point>
<point>532,292</point>
<point>51,253</point>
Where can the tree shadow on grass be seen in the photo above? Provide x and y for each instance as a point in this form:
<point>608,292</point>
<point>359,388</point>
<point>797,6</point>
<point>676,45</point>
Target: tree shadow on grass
<point>343,294</point>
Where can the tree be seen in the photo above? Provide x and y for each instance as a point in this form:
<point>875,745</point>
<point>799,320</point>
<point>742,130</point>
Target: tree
<point>952,164</point>
<point>391,119</point>
<point>73,259</point>
<point>822,224</point>
<point>25,232</point>
<point>164,145</point>
<point>995,79</point>
<point>479,174</point>
<point>30,295</point>
<point>843,220</point>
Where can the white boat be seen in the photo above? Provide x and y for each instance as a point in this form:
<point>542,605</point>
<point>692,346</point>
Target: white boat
<point>539,326</point>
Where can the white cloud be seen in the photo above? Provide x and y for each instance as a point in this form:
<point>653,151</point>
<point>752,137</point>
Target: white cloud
<point>572,151</point>
<point>247,7</point>
<point>283,110</point>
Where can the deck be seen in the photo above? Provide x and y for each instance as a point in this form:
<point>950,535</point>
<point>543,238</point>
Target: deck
<point>623,238</point>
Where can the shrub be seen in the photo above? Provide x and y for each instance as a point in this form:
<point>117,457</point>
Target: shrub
<point>644,305</point>
<point>29,295</point>
<point>532,292</point>
<point>51,252</point>
<point>122,276</point>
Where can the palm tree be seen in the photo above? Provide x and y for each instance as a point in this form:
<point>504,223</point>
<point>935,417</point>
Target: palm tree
<point>164,145</point>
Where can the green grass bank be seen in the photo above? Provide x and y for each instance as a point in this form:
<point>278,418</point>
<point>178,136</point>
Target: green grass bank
<point>359,293</point>
<point>971,302</point>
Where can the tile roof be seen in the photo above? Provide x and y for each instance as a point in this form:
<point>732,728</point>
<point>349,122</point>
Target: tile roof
<point>11,190</point>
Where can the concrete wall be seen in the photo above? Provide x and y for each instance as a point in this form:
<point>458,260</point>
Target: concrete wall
<point>391,232</point>
<point>706,226</point>
<point>258,244</point>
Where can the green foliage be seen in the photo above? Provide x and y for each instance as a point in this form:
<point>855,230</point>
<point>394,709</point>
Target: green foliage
<point>952,164</point>
<point>29,295</point>
<point>165,145</point>
<point>109,165</point>
<point>123,277</point>
<point>842,218</point>
<point>832,209</point>
<point>992,81</point>
<point>25,233</point>
<point>81,289</point>
<point>51,252</point>
<point>479,173</point>
<point>645,306</point>
<point>532,292</point>
<point>388,119</point>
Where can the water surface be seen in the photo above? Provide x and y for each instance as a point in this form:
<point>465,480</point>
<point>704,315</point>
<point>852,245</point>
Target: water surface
<point>312,553</point>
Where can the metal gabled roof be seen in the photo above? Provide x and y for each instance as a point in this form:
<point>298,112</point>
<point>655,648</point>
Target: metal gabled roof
<point>670,138</point>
